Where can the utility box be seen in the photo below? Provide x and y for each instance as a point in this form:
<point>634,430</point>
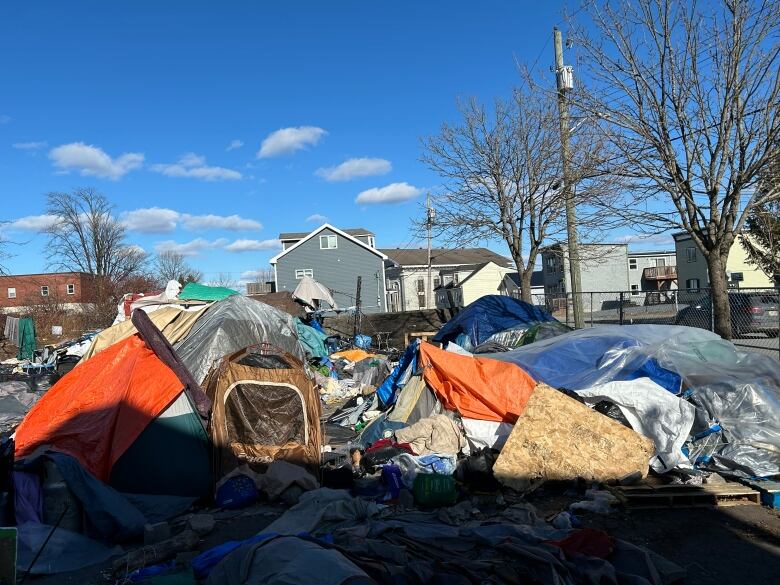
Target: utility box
<point>565,77</point>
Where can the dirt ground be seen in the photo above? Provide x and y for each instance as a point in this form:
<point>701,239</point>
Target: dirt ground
<point>725,545</point>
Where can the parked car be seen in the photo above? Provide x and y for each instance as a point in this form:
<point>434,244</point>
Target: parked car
<point>753,312</point>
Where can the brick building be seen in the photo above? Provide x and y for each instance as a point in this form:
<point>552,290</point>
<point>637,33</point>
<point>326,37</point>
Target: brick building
<point>72,289</point>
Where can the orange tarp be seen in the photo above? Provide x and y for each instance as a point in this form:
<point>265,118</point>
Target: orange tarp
<point>98,409</point>
<point>476,387</point>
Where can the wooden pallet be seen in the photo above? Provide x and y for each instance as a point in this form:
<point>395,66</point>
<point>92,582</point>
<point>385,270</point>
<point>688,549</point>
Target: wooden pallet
<point>685,496</point>
<point>769,490</point>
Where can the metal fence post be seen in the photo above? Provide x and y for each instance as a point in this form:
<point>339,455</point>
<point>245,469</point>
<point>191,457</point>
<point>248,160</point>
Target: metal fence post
<point>712,312</point>
<point>591,309</point>
<point>620,304</point>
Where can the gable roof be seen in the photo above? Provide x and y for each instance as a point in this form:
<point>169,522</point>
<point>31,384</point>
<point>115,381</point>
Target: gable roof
<point>288,236</point>
<point>537,278</point>
<point>443,256</point>
<point>336,230</point>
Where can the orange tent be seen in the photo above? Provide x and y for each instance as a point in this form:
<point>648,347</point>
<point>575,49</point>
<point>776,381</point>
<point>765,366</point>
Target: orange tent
<point>476,387</point>
<point>98,409</point>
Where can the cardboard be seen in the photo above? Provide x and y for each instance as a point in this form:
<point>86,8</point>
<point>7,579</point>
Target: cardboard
<point>558,438</point>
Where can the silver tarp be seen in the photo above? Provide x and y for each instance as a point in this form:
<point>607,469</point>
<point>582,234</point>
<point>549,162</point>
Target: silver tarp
<point>232,324</point>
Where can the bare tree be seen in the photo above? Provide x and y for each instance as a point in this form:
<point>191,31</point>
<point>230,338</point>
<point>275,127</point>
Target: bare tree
<point>263,275</point>
<point>172,265</point>
<point>690,95</point>
<point>86,237</point>
<point>226,280</point>
<point>503,176</point>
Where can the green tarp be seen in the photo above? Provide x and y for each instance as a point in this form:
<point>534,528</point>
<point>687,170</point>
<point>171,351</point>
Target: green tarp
<point>27,343</point>
<point>313,341</point>
<point>193,291</point>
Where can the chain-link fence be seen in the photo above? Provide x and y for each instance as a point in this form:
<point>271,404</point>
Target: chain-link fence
<point>755,313</point>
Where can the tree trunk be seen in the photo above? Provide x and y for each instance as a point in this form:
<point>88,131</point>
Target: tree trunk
<point>525,285</point>
<point>719,292</point>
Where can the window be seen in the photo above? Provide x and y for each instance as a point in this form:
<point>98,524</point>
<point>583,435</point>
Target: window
<point>660,262</point>
<point>44,291</point>
<point>635,290</point>
<point>632,263</point>
<point>550,264</point>
<point>436,282</point>
<point>371,241</point>
<point>455,278</point>
<point>420,286</point>
<point>71,289</point>
<point>11,292</point>
<point>692,283</point>
<point>328,243</point>
<point>301,272</point>
<point>690,254</point>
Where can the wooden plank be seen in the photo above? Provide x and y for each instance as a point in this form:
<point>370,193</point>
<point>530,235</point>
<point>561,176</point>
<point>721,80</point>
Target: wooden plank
<point>671,495</point>
<point>769,490</point>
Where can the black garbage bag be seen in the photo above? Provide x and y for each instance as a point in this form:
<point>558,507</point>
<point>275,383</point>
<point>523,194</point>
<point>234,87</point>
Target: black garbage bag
<point>476,470</point>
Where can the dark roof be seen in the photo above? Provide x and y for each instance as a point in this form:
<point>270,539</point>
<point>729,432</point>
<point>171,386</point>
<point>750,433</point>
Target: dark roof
<point>301,235</point>
<point>443,257</point>
<point>537,278</point>
<point>651,253</point>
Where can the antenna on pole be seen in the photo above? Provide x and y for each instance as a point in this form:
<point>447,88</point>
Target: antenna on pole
<point>430,214</point>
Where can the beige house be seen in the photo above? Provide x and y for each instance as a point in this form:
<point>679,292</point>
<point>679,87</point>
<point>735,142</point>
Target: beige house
<point>472,283</point>
<point>692,272</point>
<point>407,274</point>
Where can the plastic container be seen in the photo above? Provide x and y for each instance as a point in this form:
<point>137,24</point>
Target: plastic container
<point>434,489</point>
<point>391,478</point>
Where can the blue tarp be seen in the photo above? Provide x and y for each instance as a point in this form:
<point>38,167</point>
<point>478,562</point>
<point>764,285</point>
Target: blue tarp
<point>312,340</point>
<point>488,315</point>
<point>582,359</point>
<point>389,388</point>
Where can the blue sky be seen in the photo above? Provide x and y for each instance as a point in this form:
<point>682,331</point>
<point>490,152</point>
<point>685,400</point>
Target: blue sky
<point>172,110</point>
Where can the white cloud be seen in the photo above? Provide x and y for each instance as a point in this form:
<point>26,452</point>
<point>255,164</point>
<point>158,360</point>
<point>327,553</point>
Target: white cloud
<point>157,220</point>
<point>290,140</point>
<point>317,217</point>
<point>644,239</point>
<point>393,193</point>
<point>253,245</point>
<point>93,161</point>
<point>191,248</point>
<point>29,145</point>
<point>32,223</point>
<point>193,166</point>
<point>234,145</point>
<point>355,168</point>
<point>152,220</point>
<point>234,223</point>
<point>253,275</point>
<point>4,119</point>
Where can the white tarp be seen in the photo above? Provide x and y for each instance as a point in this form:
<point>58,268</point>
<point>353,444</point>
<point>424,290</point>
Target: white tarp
<point>653,412</point>
<point>309,290</point>
<point>486,433</point>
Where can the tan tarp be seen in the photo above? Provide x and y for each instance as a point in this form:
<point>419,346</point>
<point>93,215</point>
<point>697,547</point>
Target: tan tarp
<point>559,438</point>
<point>174,322</point>
<point>263,414</point>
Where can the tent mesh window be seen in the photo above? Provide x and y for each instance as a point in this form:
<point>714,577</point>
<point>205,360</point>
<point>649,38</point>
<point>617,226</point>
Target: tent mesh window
<point>263,414</point>
<point>267,362</point>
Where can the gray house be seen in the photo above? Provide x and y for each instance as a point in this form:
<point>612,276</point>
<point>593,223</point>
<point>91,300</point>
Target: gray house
<point>335,258</point>
<point>603,268</point>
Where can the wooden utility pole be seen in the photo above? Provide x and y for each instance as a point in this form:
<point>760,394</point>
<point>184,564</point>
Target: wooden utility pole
<point>564,81</point>
<point>357,309</point>
<point>430,214</point>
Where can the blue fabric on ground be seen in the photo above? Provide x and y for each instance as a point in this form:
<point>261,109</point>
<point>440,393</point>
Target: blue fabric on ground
<point>110,514</point>
<point>488,315</point>
<point>207,560</point>
<point>389,388</point>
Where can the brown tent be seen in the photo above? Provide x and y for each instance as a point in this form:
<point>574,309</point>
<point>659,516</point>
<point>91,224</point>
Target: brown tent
<point>265,408</point>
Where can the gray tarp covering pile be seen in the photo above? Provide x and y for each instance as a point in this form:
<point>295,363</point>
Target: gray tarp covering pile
<point>233,324</point>
<point>736,426</point>
<point>16,400</point>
